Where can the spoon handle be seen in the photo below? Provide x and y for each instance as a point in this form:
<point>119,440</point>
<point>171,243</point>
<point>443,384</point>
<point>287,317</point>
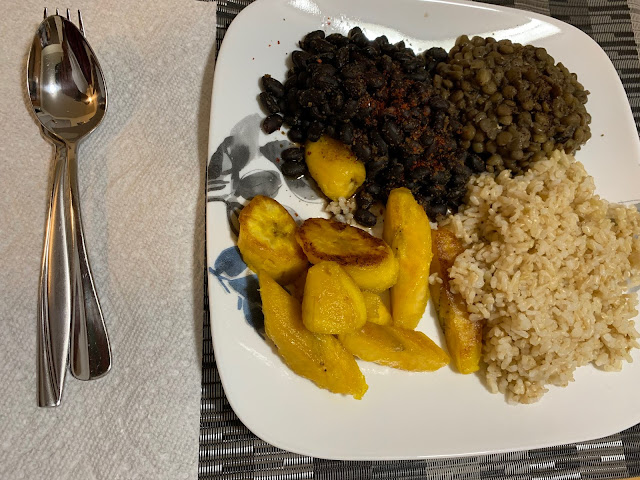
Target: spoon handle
<point>55,293</point>
<point>90,355</point>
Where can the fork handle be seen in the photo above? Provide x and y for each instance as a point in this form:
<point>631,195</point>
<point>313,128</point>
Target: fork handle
<point>90,355</point>
<point>55,293</point>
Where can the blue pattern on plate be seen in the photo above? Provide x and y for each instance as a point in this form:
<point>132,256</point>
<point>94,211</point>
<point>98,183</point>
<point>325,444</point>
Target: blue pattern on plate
<point>234,276</point>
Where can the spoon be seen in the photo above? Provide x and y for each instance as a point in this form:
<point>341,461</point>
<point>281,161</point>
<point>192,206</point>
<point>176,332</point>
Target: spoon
<point>69,98</point>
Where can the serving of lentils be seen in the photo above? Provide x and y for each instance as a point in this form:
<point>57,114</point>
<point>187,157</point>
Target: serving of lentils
<point>517,105</point>
<point>426,122</point>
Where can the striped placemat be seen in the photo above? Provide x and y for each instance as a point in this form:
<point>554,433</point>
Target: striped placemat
<point>228,450</point>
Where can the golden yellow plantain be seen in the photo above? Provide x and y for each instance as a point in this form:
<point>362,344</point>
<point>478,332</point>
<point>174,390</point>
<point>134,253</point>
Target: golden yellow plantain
<point>332,301</point>
<point>407,230</point>
<point>319,357</point>
<point>463,336</point>
<point>267,240</point>
<point>334,167</point>
<point>369,260</point>
<point>395,347</point>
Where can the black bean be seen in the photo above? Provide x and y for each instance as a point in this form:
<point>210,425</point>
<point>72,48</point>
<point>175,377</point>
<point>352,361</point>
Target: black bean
<point>293,154</point>
<point>325,82</point>
<point>365,218</point>
<point>300,58</point>
<point>272,123</point>
<point>385,63</point>
<point>293,169</point>
<point>269,102</point>
<point>391,133</point>
<point>438,119</point>
<point>345,134</point>
<point>330,130</point>
<point>420,76</point>
<point>297,135</point>
<point>320,45</point>
<point>438,54</point>
<point>373,189</point>
<point>381,41</point>
<point>315,131</point>
<point>435,210</point>
<point>372,50</point>
<point>359,39</point>
<point>273,86</point>
<point>375,80</point>
<point>311,97</point>
<point>303,79</point>
<point>350,109</point>
<point>309,37</point>
<point>362,150</point>
<point>324,57</point>
<point>376,166</point>
<point>420,173</point>
<point>364,199</point>
<point>342,57</point>
<point>441,177</point>
<point>378,143</point>
<point>336,102</point>
<point>458,180</point>
<point>337,39</point>
<point>316,113</point>
<point>475,162</point>
<point>353,70</point>
<point>354,31</point>
<point>291,82</point>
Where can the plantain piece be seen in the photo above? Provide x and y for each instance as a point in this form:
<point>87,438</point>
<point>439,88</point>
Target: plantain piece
<point>377,311</point>
<point>395,347</point>
<point>332,301</point>
<point>463,336</point>
<point>267,240</point>
<point>319,357</point>
<point>334,167</point>
<point>407,230</point>
<point>369,260</point>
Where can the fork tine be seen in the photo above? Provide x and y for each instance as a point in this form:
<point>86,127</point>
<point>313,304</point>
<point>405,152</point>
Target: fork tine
<point>80,23</point>
<point>57,11</point>
<point>68,16</point>
<point>45,12</point>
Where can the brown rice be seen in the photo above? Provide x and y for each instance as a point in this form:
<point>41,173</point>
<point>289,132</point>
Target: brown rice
<point>548,266</point>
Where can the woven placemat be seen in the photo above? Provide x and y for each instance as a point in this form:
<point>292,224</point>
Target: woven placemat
<point>228,450</point>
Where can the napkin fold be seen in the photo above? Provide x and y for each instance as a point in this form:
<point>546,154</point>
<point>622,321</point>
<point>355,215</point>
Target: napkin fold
<point>141,178</point>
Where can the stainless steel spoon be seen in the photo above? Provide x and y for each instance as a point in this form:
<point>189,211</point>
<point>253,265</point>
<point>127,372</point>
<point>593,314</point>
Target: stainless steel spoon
<point>69,98</point>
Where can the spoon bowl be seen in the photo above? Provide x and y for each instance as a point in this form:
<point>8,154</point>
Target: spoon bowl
<point>65,81</point>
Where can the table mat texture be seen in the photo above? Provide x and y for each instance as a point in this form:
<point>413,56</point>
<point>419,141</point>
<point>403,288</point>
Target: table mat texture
<point>228,450</point>
<point>141,175</point>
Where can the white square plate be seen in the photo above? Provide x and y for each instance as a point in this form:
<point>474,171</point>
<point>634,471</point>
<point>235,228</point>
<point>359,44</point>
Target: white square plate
<point>403,415</point>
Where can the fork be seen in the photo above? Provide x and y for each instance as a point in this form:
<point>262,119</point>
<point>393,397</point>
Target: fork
<point>89,356</point>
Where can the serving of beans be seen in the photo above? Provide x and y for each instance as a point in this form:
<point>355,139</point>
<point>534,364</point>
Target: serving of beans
<point>377,98</point>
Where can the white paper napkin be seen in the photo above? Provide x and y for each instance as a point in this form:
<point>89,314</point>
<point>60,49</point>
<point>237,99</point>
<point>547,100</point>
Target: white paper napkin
<point>141,176</point>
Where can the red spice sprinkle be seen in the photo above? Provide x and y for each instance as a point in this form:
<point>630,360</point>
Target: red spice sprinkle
<point>328,23</point>
<point>278,42</point>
